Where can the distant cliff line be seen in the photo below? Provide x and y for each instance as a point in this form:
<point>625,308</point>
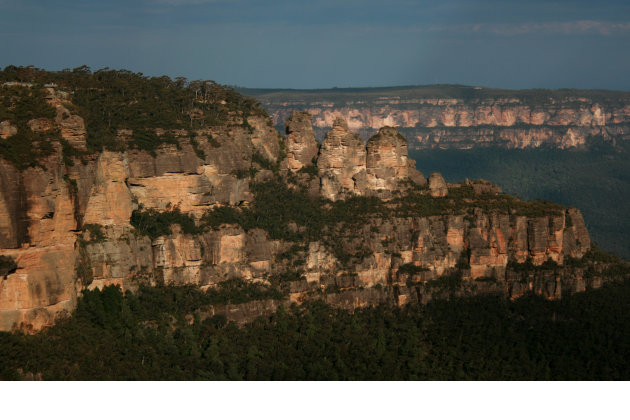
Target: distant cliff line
<point>463,117</point>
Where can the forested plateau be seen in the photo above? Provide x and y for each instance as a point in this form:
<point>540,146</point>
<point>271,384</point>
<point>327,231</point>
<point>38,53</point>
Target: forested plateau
<point>153,228</point>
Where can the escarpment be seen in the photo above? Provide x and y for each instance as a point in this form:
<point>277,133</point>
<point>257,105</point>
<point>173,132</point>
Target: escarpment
<point>464,117</point>
<point>351,223</point>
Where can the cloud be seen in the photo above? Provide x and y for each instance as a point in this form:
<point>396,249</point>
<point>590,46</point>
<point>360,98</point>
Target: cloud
<point>578,27</point>
<point>187,2</point>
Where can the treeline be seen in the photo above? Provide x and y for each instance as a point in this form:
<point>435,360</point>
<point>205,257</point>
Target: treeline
<point>18,106</point>
<point>155,335</point>
<point>277,98</point>
<point>110,100</point>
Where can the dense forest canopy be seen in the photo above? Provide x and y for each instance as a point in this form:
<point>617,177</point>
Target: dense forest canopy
<point>597,181</point>
<point>158,333</point>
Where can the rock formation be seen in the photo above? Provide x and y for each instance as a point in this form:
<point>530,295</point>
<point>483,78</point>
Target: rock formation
<point>386,163</point>
<point>68,227</point>
<point>302,147</point>
<point>347,167</point>
<point>341,163</point>
<point>518,119</point>
<point>437,185</point>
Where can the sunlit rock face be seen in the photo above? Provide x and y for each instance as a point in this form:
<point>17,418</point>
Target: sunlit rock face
<point>44,210</point>
<point>341,163</point>
<point>51,216</point>
<point>437,185</point>
<point>302,147</point>
<point>510,122</point>
<point>386,163</point>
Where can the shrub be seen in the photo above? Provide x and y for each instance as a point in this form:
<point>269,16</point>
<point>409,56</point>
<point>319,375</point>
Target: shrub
<point>411,269</point>
<point>155,224</point>
<point>95,231</point>
<point>7,265</point>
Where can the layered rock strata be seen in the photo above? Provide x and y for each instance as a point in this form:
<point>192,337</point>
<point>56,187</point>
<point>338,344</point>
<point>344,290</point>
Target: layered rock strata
<point>43,211</point>
<point>302,147</point>
<point>347,167</point>
<point>68,227</point>
<point>341,163</point>
<point>505,121</point>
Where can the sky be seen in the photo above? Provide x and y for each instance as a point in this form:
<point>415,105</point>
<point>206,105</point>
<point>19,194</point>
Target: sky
<point>511,44</point>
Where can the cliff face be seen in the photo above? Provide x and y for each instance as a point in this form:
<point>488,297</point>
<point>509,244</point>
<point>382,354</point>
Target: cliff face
<point>505,121</point>
<point>302,147</point>
<point>43,211</point>
<point>341,163</point>
<point>68,227</point>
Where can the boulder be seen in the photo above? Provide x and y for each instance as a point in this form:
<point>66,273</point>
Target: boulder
<point>437,185</point>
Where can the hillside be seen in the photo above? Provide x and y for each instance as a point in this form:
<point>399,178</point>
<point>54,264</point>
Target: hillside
<point>597,181</point>
<point>183,197</point>
<point>151,336</point>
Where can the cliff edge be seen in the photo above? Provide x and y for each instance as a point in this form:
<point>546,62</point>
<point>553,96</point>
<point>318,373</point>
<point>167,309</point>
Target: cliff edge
<point>351,223</point>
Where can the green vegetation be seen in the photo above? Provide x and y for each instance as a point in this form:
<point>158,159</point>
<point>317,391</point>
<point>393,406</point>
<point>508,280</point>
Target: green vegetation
<point>7,265</point>
<point>148,140</point>
<point>460,200</point>
<point>262,161</point>
<point>528,266</point>
<point>95,231</point>
<point>180,301</point>
<point>447,283</point>
<point>411,269</point>
<point>596,181</point>
<point>83,265</point>
<point>351,96</point>
<point>213,142</point>
<point>195,145</point>
<point>160,333</point>
<point>18,106</point>
<point>110,100</point>
<point>154,224</point>
<point>310,170</point>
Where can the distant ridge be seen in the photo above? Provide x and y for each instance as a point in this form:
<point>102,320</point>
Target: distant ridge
<point>430,91</point>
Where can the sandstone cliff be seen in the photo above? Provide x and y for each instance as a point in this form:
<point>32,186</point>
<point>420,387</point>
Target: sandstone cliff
<point>461,117</point>
<point>68,227</point>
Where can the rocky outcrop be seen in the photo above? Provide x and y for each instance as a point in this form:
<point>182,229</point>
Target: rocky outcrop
<point>386,163</point>
<point>7,129</point>
<point>110,201</point>
<point>72,127</point>
<point>68,227</point>
<point>437,185</point>
<point>302,147</point>
<point>43,212</point>
<point>483,118</point>
<point>347,167</point>
<point>38,230</point>
<point>341,163</point>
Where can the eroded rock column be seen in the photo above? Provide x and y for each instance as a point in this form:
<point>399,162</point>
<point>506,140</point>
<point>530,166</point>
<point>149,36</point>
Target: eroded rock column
<point>341,163</point>
<point>302,146</point>
<point>386,162</point>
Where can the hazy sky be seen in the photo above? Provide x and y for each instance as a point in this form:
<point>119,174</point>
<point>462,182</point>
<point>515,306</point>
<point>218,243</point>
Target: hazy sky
<point>326,43</point>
